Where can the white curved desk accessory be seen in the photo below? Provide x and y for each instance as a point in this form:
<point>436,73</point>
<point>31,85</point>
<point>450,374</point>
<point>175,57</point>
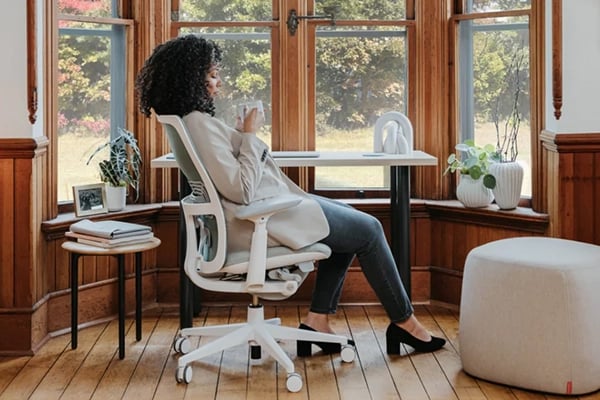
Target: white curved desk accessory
<point>399,134</point>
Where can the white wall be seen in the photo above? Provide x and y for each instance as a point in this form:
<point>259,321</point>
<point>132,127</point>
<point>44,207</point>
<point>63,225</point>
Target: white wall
<point>14,122</point>
<point>581,68</point>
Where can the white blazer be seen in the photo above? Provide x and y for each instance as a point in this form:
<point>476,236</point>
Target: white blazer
<point>243,171</point>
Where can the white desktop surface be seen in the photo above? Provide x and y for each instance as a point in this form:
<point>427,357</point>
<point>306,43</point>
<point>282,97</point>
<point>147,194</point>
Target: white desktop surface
<point>333,158</point>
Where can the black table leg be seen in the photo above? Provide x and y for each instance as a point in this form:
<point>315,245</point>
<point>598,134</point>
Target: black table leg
<point>138,296</point>
<point>74,290</point>
<point>121,284</point>
<point>400,219</point>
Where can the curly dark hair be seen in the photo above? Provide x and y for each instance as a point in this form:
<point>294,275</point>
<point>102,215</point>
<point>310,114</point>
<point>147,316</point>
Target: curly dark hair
<point>173,78</point>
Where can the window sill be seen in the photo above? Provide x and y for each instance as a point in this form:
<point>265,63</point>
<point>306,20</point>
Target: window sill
<point>521,218</point>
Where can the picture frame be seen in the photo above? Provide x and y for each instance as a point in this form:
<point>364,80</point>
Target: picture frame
<point>90,199</point>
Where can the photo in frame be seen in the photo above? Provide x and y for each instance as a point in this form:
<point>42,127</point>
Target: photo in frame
<point>90,199</point>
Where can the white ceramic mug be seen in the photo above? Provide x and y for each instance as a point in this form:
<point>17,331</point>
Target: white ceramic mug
<point>244,108</point>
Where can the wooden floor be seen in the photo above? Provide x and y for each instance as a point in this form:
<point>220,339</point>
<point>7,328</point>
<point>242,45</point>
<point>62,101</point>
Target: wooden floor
<point>94,371</point>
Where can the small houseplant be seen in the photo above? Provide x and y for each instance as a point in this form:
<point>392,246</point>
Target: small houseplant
<point>473,162</point>
<point>122,167</point>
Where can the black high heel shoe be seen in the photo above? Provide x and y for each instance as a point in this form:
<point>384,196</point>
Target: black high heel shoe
<point>396,335</point>
<point>303,347</point>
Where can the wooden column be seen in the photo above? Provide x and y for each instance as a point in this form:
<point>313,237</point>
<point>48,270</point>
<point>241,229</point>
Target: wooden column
<point>431,113</point>
<point>573,190</point>
<point>22,272</point>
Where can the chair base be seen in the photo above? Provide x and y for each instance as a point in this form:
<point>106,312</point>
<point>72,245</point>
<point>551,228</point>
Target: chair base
<point>257,332</point>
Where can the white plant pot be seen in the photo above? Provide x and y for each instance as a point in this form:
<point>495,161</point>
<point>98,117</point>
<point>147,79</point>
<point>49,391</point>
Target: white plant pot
<point>116,197</point>
<point>509,179</point>
<point>472,193</point>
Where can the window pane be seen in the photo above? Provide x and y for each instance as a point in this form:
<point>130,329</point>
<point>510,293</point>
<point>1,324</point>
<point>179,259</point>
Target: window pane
<point>246,71</point>
<point>225,10</point>
<point>371,9</point>
<point>496,5</point>
<point>494,85</point>
<point>85,97</point>
<point>89,8</point>
<point>361,74</point>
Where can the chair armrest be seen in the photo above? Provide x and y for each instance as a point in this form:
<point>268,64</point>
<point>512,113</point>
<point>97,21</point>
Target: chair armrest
<point>264,207</point>
<point>259,212</point>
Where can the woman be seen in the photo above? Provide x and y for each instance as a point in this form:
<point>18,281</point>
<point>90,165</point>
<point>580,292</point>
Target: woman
<point>182,77</point>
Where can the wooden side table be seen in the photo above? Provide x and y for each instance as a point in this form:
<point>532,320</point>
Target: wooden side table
<point>79,249</point>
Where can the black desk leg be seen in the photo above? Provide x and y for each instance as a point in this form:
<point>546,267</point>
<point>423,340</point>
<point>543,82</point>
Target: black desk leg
<point>400,218</point>
<point>138,296</point>
<point>74,289</point>
<point>121,284</point>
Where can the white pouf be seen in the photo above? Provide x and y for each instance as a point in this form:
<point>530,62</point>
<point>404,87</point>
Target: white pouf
<point>530,314</point>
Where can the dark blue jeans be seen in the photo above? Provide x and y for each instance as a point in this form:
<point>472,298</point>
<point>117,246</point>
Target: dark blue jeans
<point>355,233</point>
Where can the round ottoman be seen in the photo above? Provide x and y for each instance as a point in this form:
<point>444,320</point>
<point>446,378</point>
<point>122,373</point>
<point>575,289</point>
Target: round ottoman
<point>530,314</point>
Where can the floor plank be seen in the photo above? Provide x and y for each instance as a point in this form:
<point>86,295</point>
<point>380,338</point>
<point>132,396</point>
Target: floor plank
<point>94,371</point>
<point>233,374</point>
<point>60,375</point>
<point>206,372</point>
<point>118,373</point>
<point>319,376</point>
<point>10,368</point>
<point>29,377</point>
<point>402,370</point>
<point>372,361</point>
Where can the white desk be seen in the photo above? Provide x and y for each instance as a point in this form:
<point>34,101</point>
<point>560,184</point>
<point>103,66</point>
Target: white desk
<point>332,159</point>
<point>399,190</point>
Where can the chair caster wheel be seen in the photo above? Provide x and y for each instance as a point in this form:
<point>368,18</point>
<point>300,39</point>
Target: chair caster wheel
<point>293,382</point>
<point>183,374</point>
<point>182,345</point>
<point>255,352</point>
<point>348,353</point>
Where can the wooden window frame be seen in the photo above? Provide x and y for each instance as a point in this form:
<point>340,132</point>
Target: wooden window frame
<point>52,19</point>
<point>535,13</point>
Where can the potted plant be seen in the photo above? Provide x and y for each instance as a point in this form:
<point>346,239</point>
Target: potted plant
<point>476,181</point>
<point>121,169</point>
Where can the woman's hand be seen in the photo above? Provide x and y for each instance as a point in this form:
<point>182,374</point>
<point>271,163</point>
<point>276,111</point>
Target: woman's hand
<point>252,121</point>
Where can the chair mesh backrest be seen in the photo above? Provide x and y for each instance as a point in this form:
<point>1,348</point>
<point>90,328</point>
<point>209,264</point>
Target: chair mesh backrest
<point>211,250</point>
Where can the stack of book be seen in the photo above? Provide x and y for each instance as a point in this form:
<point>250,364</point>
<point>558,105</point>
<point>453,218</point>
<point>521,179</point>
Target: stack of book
<point>109,234</point>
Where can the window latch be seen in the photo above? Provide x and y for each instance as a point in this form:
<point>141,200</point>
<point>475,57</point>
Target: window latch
<point>293,18</point>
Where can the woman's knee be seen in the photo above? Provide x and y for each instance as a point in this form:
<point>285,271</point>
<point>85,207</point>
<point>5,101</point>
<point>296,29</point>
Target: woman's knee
<point>372,225</point>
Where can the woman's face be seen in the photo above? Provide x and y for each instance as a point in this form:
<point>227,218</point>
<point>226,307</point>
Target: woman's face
<point>213,81</point>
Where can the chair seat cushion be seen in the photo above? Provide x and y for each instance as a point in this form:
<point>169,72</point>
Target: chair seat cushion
<point>237,262</point>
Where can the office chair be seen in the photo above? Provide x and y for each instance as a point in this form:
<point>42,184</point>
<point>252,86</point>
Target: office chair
<point>209,266</point>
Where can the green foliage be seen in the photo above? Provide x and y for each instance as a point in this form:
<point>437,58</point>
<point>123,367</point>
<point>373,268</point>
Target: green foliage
<point>123,164</point>
<point>358,77</point>
<point>475,161</point>
<point>84,79</point>
<point>498,5</point>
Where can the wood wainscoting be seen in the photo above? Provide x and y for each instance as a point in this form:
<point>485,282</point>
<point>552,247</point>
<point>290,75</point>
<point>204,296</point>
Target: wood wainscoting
<point>34,301</point>
<point>456,230</point>
<point>573,173</point>
<point>22,250</point>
